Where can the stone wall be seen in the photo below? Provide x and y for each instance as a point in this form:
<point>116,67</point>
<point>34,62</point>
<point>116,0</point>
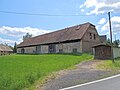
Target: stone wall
<point>89,41</point>
<point>19,50</point>
<point>65,47</point>
<point>30,50</point>
<point>27,50</point>
<point>68,47</point>
<point>5,53</point>
<point>44,48</point>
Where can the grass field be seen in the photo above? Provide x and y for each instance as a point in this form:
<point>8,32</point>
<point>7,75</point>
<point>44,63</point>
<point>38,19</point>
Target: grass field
<point>22,71</point>
<point>109,65</point>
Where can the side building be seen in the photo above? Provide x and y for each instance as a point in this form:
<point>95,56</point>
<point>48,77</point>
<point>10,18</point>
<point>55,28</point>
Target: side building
<point>5,50</point>
<point>75,39</point>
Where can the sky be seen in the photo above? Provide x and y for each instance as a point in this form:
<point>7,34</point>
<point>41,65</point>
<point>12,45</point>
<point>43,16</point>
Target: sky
<point>18,17</point>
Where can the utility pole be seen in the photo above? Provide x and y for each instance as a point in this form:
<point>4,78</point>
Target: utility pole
<point>111,37</point>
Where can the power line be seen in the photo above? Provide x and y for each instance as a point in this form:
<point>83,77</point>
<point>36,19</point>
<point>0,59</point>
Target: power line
<point>39,14</point>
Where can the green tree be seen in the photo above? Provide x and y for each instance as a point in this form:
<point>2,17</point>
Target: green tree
<point>116,43</point>
<point>108,41</point>
<point>27,36</point>
<point>15,48</point>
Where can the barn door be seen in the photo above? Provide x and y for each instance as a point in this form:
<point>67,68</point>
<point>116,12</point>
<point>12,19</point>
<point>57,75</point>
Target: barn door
<point>22,50</point>
<point>38,49</point>
<point>52,48</point>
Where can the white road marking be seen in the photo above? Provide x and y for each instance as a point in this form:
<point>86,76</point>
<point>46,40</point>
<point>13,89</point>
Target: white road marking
<point>90,82</point>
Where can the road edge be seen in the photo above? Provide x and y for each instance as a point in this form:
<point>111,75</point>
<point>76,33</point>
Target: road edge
<point>88,83</point>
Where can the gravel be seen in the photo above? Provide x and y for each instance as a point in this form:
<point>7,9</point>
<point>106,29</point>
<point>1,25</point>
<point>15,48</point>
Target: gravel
<point>85,72</point>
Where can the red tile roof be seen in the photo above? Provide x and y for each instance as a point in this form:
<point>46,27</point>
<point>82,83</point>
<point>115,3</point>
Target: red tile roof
<point>71,33</point>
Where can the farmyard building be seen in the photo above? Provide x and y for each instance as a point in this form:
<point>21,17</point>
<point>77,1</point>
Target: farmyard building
<point>75,39</point>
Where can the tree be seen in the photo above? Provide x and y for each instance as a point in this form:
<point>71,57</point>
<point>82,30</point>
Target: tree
<point>27,36</point>
<point>116,43</point>
<point>108,41</point>
<point>15,48</point>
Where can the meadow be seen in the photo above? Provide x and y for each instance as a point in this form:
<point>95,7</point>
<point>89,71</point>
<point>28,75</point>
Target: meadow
<point>109,65</point>
<point>22,71</point>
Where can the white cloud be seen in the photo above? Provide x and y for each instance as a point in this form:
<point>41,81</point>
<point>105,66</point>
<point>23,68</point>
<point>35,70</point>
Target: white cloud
<point>102,21</point>
<point>81,6</point>
<point>82,10</point>
<point>116,19</point>
<point>8,41</point>
<point>18,33</point>
<point>115,25</point>
<point>101,6</point>
<point>89,3</point>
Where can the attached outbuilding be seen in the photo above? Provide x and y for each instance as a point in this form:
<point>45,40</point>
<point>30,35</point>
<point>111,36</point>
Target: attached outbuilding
<point>5,50</point>
<point>103,51</point>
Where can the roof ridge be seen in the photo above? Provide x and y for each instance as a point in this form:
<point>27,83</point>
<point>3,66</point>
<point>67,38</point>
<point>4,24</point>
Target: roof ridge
<point>69,33</point>
<point>61,30</point>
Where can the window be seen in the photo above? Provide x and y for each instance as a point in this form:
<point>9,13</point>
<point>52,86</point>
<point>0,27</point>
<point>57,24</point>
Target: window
<point>22,50</point>
<point>52,48</point>
<point>38,49</point>
<point>60,50</point>
<point>94,36</point>
<point>74,50</point>
<point>90,35</point>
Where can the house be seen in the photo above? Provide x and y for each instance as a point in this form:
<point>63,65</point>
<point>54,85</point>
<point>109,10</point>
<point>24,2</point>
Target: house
<point>75,39</point>
<point>5,50</point>
<point>103,51</point>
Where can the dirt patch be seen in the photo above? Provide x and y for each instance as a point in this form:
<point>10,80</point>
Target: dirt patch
<point>89,64</point>
<point>84,72</point>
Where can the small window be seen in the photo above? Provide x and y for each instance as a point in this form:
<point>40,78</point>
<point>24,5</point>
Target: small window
<point>38,49</point>
<point>94,36</point>
<point>90,35</point>
<point>74,50</point>
<point>60,50</point>
<point>22,50</point>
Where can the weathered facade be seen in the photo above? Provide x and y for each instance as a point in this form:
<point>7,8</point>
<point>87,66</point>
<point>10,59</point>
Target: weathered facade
<point>5,50</point>
<point>76,39</point>
<point>102,51</point>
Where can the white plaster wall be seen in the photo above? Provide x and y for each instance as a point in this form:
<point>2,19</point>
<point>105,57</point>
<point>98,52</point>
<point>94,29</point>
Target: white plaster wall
<point>116,52</point>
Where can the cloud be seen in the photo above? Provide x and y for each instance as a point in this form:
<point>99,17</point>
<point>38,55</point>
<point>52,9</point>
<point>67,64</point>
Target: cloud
<point>8,41</point>
<point>92,7</point>
<point>82,10</point>
<point>101,6</point>
<point>88,3</point>
<point>102,21</point>
<point>18,33</point>
<point>115,25</point>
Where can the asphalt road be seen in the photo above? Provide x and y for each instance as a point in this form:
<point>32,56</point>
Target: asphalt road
<point>111,83</point>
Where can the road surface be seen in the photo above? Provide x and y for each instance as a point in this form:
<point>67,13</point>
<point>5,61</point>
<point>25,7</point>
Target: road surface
<point>110,83</point>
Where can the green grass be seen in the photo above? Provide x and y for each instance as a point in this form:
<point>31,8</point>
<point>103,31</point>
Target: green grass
<point>23,71</point>
<point>109,65</point>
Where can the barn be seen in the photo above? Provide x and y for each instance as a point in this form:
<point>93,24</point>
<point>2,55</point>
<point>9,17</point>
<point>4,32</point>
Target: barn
<point>5,50</point>
<point>75,39</point>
